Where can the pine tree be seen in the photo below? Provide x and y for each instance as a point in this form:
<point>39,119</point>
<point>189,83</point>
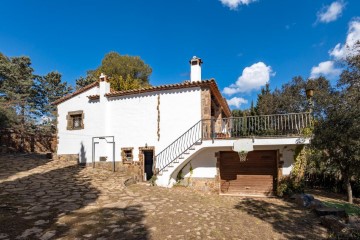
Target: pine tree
<point>17,79</point>
<point>48,89</point>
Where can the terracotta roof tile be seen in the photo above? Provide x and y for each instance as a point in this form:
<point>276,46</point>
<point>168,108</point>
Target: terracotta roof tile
<point>94,97</point>
<point>187,84</point>
<point>77,92</point>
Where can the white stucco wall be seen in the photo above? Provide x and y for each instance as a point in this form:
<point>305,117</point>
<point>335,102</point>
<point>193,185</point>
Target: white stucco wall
<point>203,163</point>
<point>79,141</point>
<point>132,120</point>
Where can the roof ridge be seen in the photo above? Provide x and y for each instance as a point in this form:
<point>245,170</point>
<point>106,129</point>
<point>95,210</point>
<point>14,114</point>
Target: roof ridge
<point>185,83</point>
<point>77,92</point>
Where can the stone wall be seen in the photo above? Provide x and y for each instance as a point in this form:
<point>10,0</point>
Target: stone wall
<point>67,157</point>
<point>11,142</point>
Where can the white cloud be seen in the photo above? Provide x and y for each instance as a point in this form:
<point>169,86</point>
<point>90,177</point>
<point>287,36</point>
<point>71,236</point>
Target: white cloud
<point>233,4</point>
<point>341,51</point>
<point>252,78</point>
<point>236,101</point>
<point>326,69</point>
<point>331,13</point>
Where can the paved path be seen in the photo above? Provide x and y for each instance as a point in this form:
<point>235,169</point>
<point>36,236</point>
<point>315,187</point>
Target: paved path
<point>42,199</point>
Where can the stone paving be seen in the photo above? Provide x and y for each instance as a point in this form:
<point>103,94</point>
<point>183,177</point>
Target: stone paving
<point>48,199</point>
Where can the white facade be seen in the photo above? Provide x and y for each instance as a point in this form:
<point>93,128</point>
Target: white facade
<point>155,118</point>
<point>134,121</point>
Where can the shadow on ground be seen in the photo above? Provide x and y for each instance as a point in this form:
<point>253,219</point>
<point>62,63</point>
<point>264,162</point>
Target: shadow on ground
<point>10,164</point>
<point>33,207</point>
<point>285,218</point>
<point>331,195</point>
<point>106,223</point>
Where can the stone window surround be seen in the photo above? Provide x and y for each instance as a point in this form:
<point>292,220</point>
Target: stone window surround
<point>123,154</point>
<point>69,118</point>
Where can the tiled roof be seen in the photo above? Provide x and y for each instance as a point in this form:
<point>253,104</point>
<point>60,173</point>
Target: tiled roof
<point>93,97</point>
<point>77,92</point>
<point>187,84</point>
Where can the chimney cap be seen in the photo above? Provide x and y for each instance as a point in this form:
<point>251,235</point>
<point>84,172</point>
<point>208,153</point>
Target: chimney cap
<point>103,77</point>
<point>195,60</point>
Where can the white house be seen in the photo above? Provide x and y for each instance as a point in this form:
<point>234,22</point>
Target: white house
<point>182,133</point>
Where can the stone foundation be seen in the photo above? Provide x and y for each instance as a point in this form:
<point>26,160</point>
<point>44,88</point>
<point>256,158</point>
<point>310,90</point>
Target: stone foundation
<point>67,157</point>
<point>131,169</point>
<point>201,184</point>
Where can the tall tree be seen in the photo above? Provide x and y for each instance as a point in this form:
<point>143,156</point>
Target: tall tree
<point>266,101</point>
<point>16,76</point>
<point>125,72</point>
<point>291,97</point>
<point>48,89</point>
<point>337,130</point>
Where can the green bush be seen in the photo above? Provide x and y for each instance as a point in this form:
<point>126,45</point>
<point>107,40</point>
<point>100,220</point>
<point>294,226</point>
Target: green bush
<point>288,186</point>
<point>153,180</point>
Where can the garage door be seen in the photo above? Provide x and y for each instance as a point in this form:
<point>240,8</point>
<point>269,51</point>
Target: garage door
<point>255,176</point>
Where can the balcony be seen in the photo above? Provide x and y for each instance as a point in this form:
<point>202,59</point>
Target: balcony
<point>276,125</point>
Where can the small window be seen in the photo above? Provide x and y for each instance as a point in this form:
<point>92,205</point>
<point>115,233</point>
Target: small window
<point>75,120</point>
<point>127,154</point>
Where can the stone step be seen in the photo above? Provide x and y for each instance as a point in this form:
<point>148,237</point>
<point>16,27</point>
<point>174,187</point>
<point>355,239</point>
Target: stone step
<point>330,211</point>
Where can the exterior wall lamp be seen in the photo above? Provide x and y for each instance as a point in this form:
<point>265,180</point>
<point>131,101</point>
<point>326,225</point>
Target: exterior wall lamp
<point>309,95</point>
<point>309,92</point>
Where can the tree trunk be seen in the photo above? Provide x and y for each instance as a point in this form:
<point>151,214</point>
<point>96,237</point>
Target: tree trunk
<point>348,186</point>
<point>22,130</point>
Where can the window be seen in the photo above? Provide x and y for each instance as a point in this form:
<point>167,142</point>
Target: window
<point>127,154</point>
<point>75,120</point>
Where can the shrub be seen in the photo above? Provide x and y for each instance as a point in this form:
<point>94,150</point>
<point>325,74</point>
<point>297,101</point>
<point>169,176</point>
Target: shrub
<point>288,186</point>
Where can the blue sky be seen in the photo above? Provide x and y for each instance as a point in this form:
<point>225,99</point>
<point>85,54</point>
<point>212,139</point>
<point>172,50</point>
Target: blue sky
<point>243,43</point>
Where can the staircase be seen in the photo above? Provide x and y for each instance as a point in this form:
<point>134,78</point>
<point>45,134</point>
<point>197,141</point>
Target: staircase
<point>179,150</point>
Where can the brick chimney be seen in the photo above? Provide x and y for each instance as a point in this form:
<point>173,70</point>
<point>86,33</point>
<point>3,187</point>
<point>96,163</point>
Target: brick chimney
<point>195,69</point>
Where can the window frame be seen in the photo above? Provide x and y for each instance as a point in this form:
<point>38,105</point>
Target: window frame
<point>71,120</point>
<point>124,156</point>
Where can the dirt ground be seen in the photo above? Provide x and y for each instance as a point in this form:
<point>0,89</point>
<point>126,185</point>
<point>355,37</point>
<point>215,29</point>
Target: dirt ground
<point>48,199</point>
